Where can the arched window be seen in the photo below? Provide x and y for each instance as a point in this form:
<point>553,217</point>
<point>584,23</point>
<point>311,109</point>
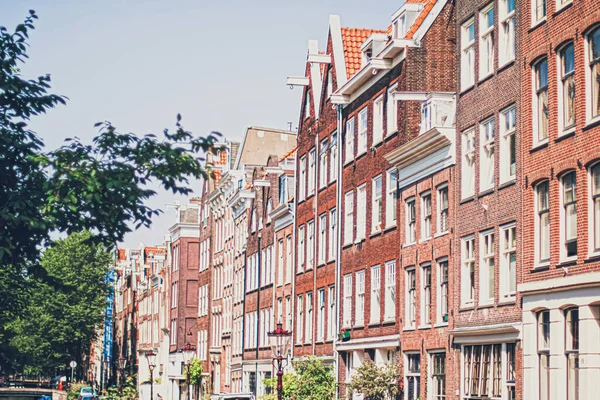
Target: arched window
<point>542,192</point>
<point>566,86</point>
<point>540,100</point>
<point>594,67</point>
<point>569,215</point>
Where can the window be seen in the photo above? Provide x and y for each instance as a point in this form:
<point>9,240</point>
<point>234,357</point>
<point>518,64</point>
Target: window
<point>486,41</point>
<point>543,222</point>
<point>511,369</point>
<point>347,311</point>
<point>468,164</point>
<point>425,215</point>
<point>593,43</point>
<point>349,140</point>
<point>508,261</point>
<point>174,297</point>
<point>309,318</point>
<point>392,111</point>
<point>442,295</point>
<point>411,297</point>
<point>288,259</point>
<point>467,62</point>
<point>307,104</point>
<point>359,313</point>
<point>175,258</point>
<point>310,245</point>
<point>312,154</point>
<point>378,120</point>
<point>331,317</point>
<point>543,334</point>
<point>377,205</point>
<point>302,180</point>
<point>280,262</point>
<point>390,291</point>
<point>329,82</point>
<point>361,211</point>
<point>540,107</point>
<point>482,371</point>
<point>486,155</point>
<point>332,233</point>
<point>539,10</point>
<point>569,223</point>
<point>288,312</point>
<point>173,331</point>
<point>375,294</point>
<point>468,272</point>
<point>508,150</point>
<point>334,158</point>
<point>301,248</point>
<point>506,39</point>
<point>572,352</point>
<point>595,208</point>
<point>299,318</point>
<point>425,294</point>
<point>411,217</point>
<point>486,265</point>
<point>413,376</point>
<point>438,375</point>
<point>321,315</point>
<point>566,87</point>
<point>323,164</point>
<point>362,131</point>
<point>391,196</point>
<point>442,208</point>
<point>349,217</point>
<point>322,238</point>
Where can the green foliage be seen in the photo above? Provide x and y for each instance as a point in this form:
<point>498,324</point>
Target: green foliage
<point>103,187</point>
<point>311,380</point>
<point>375,382</point>
<point>59,321</point>
<point>73,393</point>
<point>128,392</point>
<point>195,371</point>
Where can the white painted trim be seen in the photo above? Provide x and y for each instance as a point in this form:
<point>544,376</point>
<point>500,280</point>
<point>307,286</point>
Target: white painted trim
<point>408,7</point>
<point>319,58</point>
<point>369,343</point>
<point>556,284</point>
<point>431,17</point>
<point>337,43</point>
<point>315,76</point>
<point>297,81</point>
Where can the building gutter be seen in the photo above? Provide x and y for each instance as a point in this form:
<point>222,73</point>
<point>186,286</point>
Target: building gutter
<point>338,258</point>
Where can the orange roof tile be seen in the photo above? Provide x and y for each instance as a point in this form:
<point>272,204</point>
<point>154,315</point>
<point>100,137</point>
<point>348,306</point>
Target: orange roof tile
<point>288,154</point>
<point>353,38</point>
<point>422,15</point>
<point>122,254</point>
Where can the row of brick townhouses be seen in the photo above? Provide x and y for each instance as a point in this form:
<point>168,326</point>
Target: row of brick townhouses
<point>439,207</point>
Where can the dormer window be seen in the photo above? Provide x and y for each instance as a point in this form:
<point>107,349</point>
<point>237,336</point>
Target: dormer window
<point>399,27</point>
<point>404,18</point>
<point>437,112</point>
<point>367,55</point>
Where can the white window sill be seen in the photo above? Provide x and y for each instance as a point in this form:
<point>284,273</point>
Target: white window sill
<point>359,240</point>
<point>567,259</point>
<point>332,181</point>
<point>375,232</point>
<point>408,329</point>
<point>567,131</point>
<point>375,143</point>
<point>377,322</point>
<point>486,76</point>
<point>543,265</point>
<point>359,324</point>
<point>392,131</point>
<point>486,303</point>
<point>467,306</point>
<point>346,327</point>
<point>593,120</point>
<point>409,244</point>
<point>389,319</point>
<point>540,144</point>
<point>390,225</point>
<point>348,162</point>
<point>503,63</point>
<point>425,326</point>
<point>561,6</point>
<point>464,89</point>
<point>360,153</point>
<point>535,24</point>
<point>507,300</point>
<point>423,240</point>
<point>441,325</point>
<point>437,235</point>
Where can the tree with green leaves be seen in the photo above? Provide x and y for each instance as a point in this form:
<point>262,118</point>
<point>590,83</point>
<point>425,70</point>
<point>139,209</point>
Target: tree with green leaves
<point>103,186</point>
<point>195,370</point>
<point>376,382</point>
<point>312,379</point>
<point>61,315</point>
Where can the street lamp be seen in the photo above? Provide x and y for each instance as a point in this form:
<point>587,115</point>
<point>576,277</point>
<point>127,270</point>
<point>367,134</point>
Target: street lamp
<point>280,343</point>
<point>188,353</point>
<point>122,365</point>
<point>150,356</point>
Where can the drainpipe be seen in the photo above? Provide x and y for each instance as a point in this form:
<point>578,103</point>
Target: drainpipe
<point>316,228</point>
<point>258,313</point>
<point>338,257</point>
<point>244,320</point>
<point>293,277</point>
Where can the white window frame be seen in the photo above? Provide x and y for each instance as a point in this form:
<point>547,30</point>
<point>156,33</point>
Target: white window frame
<point>487,149</point>
<point>349,150</point>
<point>375,308</point>
<point>539,10</point>
<point>410,312</point>
<point>333,163</point>
<point>486,42</point>
<point>392,111</point>
<point>302,180</point>
<point>390,291</point>
<point>442,292</point>
<point>312,170</point>
<point>410,207</point>
<point>280,268</point>
<point>566,87</point>
<point>426,215</point>
<point>323,167</point>
<point>592,84</point>
<point>431,382</point>
<point>540,124</point>
<point>467,184</point>
<point>594,209</point>
<point>426,295</point>
<point>322,238</point>
<point>508,250</point>
<point>542,259</point>
<point>508,145</point>
<point>566,237</point>
<point>376,204</point>
<point>487,266</point>
<point>321,315</point>
<point>288,259</point>
<point>443,207</point>
<point>299,318</point>
<point>308,335</point>
<point>349,217</point>
<point>467,271</point>
<point>391,186</point>
<point>361,212</point>
<point>378,111</point>
<point>333,227</point>
<point>467,64</point>
<point>363,124</point>
<point>507,32</point>
<point>359,300</point>
<point>414,374</point>
<point>331,313</point>
<point>347,309</point>
<point>301,248</point>
<point>310,244</point>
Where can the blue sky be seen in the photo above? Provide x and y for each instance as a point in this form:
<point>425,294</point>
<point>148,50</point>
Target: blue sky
<point>221,64</point>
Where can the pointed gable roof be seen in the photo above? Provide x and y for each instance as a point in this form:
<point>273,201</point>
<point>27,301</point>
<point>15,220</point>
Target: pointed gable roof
<point>353,38</point>
<point>421,17</point>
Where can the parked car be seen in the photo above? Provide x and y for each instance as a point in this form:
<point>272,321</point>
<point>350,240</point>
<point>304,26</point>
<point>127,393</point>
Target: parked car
<point>87,393</point>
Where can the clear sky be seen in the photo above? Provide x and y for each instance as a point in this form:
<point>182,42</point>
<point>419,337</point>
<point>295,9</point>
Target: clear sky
<point>137,63</point>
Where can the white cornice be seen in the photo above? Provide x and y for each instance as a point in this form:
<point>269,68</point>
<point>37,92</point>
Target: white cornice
<point>319,58</point>
<point>559,284</point>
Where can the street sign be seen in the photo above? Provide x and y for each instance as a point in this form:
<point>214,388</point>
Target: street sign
<point>73,364</point>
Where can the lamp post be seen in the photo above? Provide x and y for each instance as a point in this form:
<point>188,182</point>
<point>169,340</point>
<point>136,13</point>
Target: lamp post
<point>150,356</point>
<point>188,352</point>
<point>280,343</point>
<point>122,365</point>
